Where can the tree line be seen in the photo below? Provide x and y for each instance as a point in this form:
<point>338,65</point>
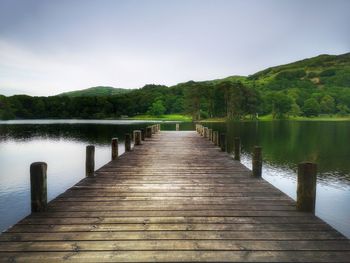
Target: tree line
<point>234,99</point>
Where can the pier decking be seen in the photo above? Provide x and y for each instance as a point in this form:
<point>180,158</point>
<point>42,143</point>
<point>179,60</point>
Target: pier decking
<point>176,197</point>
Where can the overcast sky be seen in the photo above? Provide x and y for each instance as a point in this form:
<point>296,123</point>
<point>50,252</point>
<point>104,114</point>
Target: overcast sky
<point>52,46</point>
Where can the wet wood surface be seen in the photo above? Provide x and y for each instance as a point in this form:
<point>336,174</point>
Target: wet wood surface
<point>175,198</point>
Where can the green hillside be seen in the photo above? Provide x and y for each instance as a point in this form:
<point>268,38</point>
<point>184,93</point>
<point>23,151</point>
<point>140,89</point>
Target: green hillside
<point>318,86</point>
<point>323,71</point>
<point>95,91</point>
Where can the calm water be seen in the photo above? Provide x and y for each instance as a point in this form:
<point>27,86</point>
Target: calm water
<point>62,145</point>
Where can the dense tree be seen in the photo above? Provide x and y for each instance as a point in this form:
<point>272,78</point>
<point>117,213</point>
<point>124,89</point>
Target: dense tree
<point>311,107</point>
<point>157,108</point>
<point>327,104</point>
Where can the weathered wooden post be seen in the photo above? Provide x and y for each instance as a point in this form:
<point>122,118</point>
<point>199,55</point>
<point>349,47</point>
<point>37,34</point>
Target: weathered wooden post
<point>205,132</point>
<point>127,142</point>
<point>223,142</point>
<point>216,138</point>
<point>143,134</point>
<point>38,186</point>
<point>137,137</point>
<point>306,189</point>
<point>177,127</point>
<point>90,161</point>
<point>237,150</point>
<point>114,148</point>
<point>153,129</point>
<point>257,161</point>
<point>213,137</point>
<point>149,132</point>
<point>210,134</point>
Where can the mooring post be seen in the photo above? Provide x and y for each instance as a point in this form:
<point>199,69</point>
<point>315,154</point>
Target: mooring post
<point>257,161</point>
<point>114,148</point>
<point>137,135</point>
<point>237,150</point>
<point>210,134</point>
<point>149,132</point>
<point>223,142</point>
<point>143,134</point>
<point>38,186</point>
<point>306,189</point>
<point>216,138</point>
<point>127,142</point>
<point>205,132</point>
<point>153,129</point>
<point>159,126</point>
<point>90,161</point>
<point>177,126</point>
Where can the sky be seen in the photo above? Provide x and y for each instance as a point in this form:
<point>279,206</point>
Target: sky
<point>52,46</point>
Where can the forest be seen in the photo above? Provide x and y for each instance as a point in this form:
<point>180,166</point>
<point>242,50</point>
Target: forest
<point>310,87</point>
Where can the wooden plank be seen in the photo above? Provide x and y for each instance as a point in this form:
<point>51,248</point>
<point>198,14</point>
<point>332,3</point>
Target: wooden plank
<point>142,245</point>
<point>179,256</point>
<point>174,235</point>
<point>20,228</point>
<point>171,220</point>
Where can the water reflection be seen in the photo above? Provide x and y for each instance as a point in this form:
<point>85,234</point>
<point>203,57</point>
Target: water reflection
<point>287,143</point>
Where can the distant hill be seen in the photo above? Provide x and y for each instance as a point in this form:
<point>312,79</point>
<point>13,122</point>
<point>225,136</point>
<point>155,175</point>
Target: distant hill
<point>95,91</point>
<point>320,72</point>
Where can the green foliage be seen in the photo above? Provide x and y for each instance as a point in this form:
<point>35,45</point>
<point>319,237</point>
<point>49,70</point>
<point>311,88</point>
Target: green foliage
<point>95,91</point>
<point>311,107</point>
<point>327,104</point>
<point>343,109</point>
<point>281,104</point>
<point>291,74</point>
<point>157,108</point>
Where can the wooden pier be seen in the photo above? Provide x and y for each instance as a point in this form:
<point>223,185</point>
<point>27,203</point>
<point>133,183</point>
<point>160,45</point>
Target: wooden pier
<point>176,197</point>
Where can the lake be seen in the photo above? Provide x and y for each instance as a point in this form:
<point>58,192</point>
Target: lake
<point>61,144</point>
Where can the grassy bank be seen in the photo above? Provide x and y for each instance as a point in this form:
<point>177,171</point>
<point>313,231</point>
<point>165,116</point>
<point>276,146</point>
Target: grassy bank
<point>186,118</point>
<point>291,118</point>
<point>165,117</point>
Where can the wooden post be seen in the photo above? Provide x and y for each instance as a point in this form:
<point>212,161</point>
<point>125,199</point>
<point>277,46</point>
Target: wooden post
<point>223,142</point>
<point>257,161</point>
<point>306,189</point>
<point>237,156</point>
<point>127,142</point>
<point>210,134</point>
<point>149,132</point>
<point>38,186</point>
<point>177,126</point>
<point>114,148</point>
<point>153,129</point>
<point>90,161</point>
<point>137,137</point>
<point>159,127</point>
<point>143,134</point>
<point>216,138</point>
<point>205,132</point>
